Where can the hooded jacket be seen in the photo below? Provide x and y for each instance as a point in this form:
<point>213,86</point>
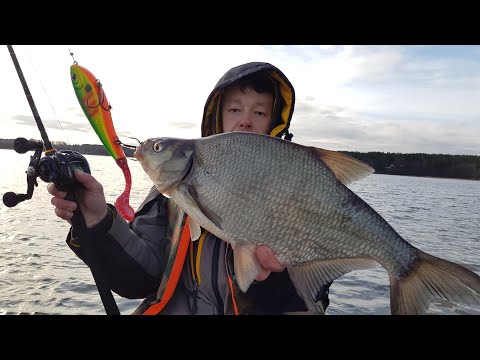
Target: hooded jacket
<point>137,257</point>
<point>284,101</point>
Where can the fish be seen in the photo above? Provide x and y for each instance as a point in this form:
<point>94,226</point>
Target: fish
<point>251,189</point>
<point>91,96</point>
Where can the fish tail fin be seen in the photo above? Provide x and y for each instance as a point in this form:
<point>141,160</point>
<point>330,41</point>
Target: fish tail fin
<point>432,278</point>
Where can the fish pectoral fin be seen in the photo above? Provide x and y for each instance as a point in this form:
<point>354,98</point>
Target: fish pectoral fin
<point>346,168</point>
<point>195,230</point>
<point>192,200</point>
<point>310,278</point>
<point>246,264</point>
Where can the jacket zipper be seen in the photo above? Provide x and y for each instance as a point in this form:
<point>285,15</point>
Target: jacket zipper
<point>195,263</point>
<point>215,260</point>
<point>194,291</point>
<point>194,295</point>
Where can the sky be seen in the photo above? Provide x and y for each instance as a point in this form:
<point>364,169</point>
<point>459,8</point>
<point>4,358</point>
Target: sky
<point>396,98</point>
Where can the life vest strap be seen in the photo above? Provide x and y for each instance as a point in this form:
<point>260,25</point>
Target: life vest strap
<point>230,283</point>
<point>175,274</point>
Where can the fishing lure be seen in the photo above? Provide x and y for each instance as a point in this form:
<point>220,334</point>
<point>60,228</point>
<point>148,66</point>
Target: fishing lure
<point>92,98</point>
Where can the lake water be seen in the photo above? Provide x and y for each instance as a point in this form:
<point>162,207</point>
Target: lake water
<point>40,274</point>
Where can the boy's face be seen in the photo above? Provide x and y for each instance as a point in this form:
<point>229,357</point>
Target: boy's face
<point>246,111</point>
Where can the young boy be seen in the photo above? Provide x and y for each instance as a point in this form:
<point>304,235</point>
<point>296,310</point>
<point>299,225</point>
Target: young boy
<point>137,257</point>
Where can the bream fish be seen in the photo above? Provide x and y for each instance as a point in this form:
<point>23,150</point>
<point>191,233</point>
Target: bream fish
<point>250,189</point>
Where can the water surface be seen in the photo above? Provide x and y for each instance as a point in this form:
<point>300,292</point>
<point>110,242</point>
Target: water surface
<point>40,274</point>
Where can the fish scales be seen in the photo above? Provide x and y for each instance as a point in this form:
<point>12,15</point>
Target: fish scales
<point>289,201</point>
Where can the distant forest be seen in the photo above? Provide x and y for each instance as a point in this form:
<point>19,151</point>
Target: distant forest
<point>417,164</point>
<point>85,149</point>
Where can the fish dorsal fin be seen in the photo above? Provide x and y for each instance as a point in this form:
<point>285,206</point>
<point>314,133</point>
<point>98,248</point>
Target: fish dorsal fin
<point>346,168</point>
<point>308,278</point>
<point>246,264</point>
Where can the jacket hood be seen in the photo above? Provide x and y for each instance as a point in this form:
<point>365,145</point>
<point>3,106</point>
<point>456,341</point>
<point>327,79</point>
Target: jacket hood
<point>284,101</point>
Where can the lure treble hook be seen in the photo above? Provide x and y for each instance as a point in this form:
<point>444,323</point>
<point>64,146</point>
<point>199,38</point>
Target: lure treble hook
<point>125,145</point>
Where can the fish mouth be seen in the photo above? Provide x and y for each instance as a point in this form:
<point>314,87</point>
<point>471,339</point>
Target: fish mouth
<point>138,153</point>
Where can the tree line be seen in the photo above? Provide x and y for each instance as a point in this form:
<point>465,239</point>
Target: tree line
<point>85,149</point>
<point>415,164</point>
<point>420,164</point>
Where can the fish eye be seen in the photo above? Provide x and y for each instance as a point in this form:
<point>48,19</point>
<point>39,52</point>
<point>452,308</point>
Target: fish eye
<point>75,79</point>
<point>157,147</point>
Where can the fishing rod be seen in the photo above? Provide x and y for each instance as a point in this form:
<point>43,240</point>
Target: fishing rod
<point>49,150</point>
<point>58,167</point>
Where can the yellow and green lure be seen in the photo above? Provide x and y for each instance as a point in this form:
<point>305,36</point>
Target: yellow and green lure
<point>96,107</point>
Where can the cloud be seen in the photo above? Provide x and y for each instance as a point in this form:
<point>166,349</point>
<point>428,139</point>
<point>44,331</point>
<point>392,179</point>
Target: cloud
<point>183,125</point>
<point>24,120</point>
<point>340,128</point>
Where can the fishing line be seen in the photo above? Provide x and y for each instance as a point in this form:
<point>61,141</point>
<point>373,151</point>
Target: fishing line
<point>48,99</point>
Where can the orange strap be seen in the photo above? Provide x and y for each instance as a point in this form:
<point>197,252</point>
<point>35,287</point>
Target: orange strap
<point>231,293</point>
<point>175,274</point>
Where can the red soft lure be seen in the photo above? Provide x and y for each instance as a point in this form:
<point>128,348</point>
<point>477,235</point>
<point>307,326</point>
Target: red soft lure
<point>96,107</point>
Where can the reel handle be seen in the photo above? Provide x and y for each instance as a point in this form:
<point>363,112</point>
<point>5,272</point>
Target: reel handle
<point>10,199</point>
<point>22,145</point>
